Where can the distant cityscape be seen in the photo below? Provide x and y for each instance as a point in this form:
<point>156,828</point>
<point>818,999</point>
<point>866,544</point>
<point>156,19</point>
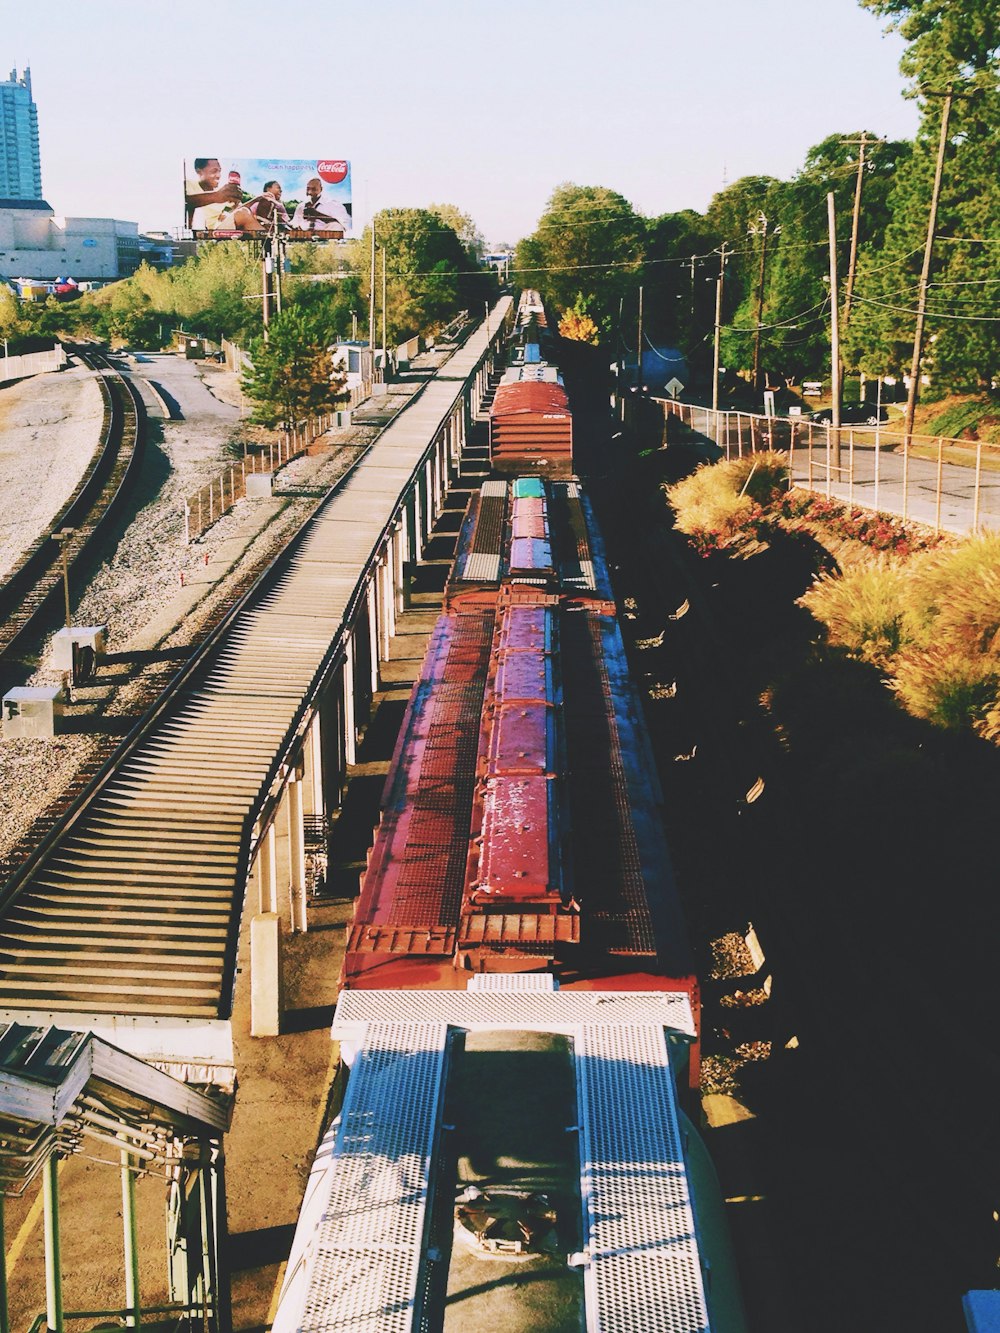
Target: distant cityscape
<point>43,253</point>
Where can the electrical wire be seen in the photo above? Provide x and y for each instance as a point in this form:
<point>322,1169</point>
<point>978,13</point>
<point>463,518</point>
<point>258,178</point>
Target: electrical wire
<point>931,314</point>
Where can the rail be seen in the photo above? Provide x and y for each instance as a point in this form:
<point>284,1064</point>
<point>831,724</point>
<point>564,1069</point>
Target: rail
<point>216,497</point>
<point>35,580</point>
<point>194,671</point>
<point>947,484</point>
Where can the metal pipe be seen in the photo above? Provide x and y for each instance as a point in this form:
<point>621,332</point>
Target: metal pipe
<point>134,1317</point>
<point>53,1274</point>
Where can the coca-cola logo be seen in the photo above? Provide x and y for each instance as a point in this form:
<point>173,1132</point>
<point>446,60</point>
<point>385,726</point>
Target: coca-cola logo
<point>331,172</point>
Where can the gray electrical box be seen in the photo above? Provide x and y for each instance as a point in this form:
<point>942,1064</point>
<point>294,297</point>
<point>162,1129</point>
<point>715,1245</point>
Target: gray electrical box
<point>31,710</point>
<point>90,642</point>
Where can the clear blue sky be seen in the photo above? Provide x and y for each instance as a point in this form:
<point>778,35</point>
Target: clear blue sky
<point>487,106</point>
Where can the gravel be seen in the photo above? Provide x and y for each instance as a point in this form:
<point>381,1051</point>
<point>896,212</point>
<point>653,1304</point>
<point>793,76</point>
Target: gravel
<point>137,591</point>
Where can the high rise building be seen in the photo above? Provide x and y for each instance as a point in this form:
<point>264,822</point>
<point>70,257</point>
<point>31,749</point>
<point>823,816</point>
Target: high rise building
<point>20,162</point>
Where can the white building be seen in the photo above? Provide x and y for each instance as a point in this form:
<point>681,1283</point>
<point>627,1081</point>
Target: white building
<point>35,243</point>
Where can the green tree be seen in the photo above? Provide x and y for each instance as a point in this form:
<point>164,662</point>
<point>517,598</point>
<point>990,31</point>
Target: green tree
<point>430,276</point>
<point>589,243</point>
<point>951,44</point>
<point>292,374</point>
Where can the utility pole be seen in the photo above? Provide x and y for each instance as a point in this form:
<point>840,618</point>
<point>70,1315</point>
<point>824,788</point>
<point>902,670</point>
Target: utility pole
<point>861,143</point>
<point>918,336</point>
<point>638,353</point>
<point>371,304</point>
<point>718,326</point>
<point>831,209</point>
<point>384,363</point>
<point>266,283</point>
<point>760,229</point>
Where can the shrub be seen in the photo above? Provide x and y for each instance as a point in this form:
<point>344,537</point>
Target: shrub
<point>951,688</point>
<point>862,609</point>
<point>952,595</point>
<point>720,504</point>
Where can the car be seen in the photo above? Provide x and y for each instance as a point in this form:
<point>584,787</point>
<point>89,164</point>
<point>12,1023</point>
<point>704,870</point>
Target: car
<point>852,414</point>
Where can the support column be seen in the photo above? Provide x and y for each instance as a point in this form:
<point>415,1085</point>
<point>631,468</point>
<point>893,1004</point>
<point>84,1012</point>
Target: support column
<point>312,759</point>
<point>267,871</point>
<point>373,629</point>
<point>4,1307</point>
<point>398,556</point>
<point>297,856</point>
<point>265,975</point>
<point>134,1316</point>
<point>418,521</point>
<point>350,710</point>
<point>53,1267</point>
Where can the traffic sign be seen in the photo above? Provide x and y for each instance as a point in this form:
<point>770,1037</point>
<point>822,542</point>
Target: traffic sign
<point>673,387</point>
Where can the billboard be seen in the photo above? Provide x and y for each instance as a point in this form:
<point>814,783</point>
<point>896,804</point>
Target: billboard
<point>301,200</point>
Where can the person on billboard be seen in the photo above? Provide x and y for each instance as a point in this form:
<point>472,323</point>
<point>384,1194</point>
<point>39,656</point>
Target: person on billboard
<point>317,213</point>
<point>268,210</point>
<point>204,200</point>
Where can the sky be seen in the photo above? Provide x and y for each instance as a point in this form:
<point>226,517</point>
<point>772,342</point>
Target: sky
<point>485,106</point>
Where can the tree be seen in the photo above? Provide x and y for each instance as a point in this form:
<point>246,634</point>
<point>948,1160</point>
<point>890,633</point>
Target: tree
<point>952,44</point>
<point>577,326</point>
<point>430,277</point>
<point>589,244</point>
<point>464,227</point>
<point>292,374</point>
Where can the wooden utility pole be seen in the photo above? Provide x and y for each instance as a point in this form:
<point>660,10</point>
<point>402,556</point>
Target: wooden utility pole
<point>718,326</point>
<point>383,312</point>
<point>638,353</point>
<point>918,336</point>
<point>831,210</point>
<point>861,143</point>
<point>761,231</point>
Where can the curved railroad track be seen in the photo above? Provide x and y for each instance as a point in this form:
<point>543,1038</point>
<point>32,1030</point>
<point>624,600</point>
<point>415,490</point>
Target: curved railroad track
<point>32,587</point>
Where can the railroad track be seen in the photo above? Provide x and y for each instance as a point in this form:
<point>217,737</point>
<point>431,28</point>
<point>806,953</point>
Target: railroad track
<point>128,921</point>
<point>33,585</point>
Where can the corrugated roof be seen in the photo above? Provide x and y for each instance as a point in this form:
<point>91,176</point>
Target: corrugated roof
<point>530,396</point>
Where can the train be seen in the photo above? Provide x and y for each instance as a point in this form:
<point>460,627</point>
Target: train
<point>521,824</point>
<point>519,1009</point>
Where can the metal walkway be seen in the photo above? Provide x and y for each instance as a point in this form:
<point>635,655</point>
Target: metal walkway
<point>137,908</point>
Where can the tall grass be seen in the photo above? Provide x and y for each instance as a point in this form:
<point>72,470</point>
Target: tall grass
<point>933,622</point>
<point>862,609</point>
<point>717,503</point>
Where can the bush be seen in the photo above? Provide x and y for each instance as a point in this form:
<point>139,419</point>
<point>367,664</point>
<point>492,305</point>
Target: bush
<point>862,609</point>
<point>951,688</point>
<point>720,504</point>
<point>953,595</point>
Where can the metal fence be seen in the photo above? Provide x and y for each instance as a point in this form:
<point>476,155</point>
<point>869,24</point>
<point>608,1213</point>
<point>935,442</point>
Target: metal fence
<point>220,494</point>
<point>948,484</point>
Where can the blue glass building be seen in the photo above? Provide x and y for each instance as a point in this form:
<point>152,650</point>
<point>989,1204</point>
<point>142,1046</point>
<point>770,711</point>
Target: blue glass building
<point>20,162</point>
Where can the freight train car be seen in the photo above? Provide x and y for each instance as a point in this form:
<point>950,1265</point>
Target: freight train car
<point>522,825</point>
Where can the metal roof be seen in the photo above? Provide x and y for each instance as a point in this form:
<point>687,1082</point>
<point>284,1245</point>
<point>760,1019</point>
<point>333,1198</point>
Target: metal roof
<point>359,1259</point>
<point>135,911</point>
<point>530,396</point>
<point>57,1087</point>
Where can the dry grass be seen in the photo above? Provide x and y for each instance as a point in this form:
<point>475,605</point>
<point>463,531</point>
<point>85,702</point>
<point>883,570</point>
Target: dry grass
<point>863,608</point>
<point>719,500</point>
<point>933,622</point>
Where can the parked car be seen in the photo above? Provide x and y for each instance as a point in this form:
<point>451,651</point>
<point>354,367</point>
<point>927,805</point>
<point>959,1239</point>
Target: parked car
<point>853,414</point>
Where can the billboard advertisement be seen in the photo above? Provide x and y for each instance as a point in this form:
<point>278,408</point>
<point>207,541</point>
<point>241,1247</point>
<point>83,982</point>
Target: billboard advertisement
<point>299,199</point>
